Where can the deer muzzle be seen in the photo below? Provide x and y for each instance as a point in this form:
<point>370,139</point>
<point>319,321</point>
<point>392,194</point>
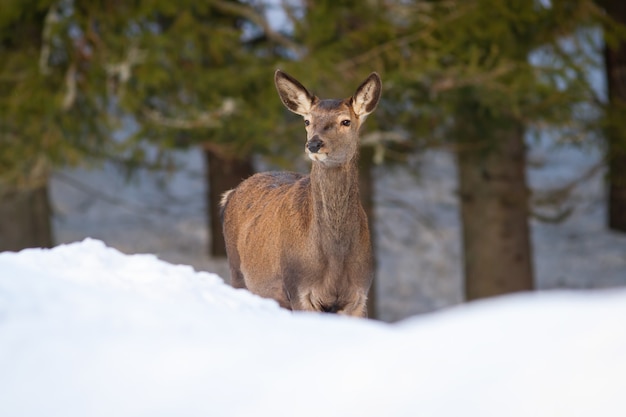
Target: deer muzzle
<point>314,144</point>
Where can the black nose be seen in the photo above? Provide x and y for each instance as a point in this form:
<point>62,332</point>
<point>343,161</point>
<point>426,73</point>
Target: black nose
<point>330,308</point>
<point>315,144</point>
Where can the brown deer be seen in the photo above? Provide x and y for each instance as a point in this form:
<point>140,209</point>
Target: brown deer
<point>303,240</point>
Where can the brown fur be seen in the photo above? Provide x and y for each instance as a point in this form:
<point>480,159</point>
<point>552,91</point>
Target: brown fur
<point>304,240</point>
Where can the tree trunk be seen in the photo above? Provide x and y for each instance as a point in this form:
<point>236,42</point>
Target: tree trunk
<point>25,219</point>
<point>494,211</point>
<point>223,174</point>
<point>366,190</point>
<point>615,64</point>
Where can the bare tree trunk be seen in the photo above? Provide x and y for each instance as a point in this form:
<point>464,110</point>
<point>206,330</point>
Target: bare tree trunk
<point>25,219</point>
<point>366,190</point>
<point>223,174</point>
<point>615,64</point>
<point>494,212</point>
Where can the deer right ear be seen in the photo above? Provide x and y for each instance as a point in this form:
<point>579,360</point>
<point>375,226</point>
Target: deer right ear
<point>293,94</point>
<point>367,95</point>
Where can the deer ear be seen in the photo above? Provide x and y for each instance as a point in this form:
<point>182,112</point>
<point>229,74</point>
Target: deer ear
<point>293,94</point>
<point>366,98</point>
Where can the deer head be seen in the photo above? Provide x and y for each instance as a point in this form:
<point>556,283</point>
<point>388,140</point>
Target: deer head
<point>332,126</point>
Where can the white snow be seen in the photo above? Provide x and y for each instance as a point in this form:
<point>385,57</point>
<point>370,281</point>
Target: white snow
<point>88,331</point>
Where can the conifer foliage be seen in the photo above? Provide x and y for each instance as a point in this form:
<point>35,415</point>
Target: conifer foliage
<point>76,73</point>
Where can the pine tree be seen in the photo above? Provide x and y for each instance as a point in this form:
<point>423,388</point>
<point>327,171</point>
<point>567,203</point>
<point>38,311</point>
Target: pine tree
<point>475,71</point>
<point>30,136</point>
<point>187,72</point>
<point>615,132</point>
<point>478,71</point>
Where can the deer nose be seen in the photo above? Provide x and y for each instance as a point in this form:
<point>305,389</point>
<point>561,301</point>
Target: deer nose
<point>330,308</point>
<point>315,144</point>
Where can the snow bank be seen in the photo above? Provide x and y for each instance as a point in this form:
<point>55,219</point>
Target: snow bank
<point>88,331</point>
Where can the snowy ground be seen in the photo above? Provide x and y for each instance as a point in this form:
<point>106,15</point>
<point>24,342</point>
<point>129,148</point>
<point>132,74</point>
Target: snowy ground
<point>88,331</point>
<point>417,224</point>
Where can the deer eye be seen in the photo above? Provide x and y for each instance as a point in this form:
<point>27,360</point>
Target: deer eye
<point>306,122</point>
<point>345,122</point>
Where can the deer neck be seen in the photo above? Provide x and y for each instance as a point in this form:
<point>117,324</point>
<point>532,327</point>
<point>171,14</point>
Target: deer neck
<point>336,201</point>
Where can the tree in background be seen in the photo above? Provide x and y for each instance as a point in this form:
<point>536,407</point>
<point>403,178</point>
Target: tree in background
<point>615,65</point>
<point>200,72</point>
<point>479,68</point>
<point>75,70</point>
<point>23,168</point>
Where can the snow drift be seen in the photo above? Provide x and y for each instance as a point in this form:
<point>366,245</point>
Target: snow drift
<point>88,331</point>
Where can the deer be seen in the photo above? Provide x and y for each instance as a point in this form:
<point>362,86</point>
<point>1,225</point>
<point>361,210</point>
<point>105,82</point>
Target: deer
<point>304,240</point>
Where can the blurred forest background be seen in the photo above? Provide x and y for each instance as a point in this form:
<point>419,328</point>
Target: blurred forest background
<point>180,95</point>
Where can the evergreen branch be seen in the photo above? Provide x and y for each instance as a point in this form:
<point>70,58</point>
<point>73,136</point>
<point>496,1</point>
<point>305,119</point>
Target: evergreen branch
<point>482,78</point>
<point>123,69</point>
<point>70,83</point>
<point>559,217</point>
<point>52,17</point>
<point>398,43</point>
<point>559,195</point>
<point>378,139</point>
<point>381,49</point>
<point>260,20</point>
<point>204,120</point>
<point>289,12</point>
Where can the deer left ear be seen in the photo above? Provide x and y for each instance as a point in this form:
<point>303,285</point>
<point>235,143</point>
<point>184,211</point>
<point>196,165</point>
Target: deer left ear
<point>293,94</point>
<point>366,97</point>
